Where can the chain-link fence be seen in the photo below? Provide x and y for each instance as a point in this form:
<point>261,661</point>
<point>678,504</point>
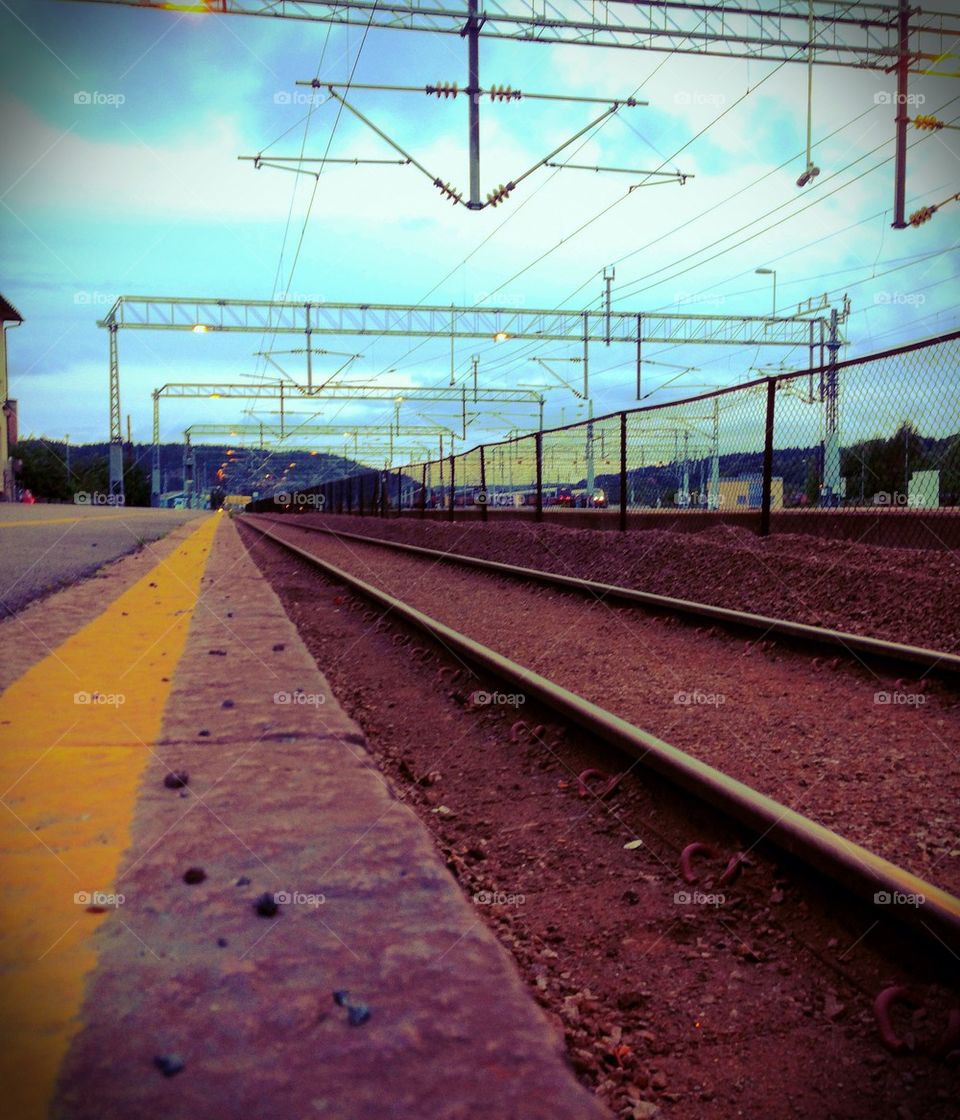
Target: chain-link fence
<point>867,449</point>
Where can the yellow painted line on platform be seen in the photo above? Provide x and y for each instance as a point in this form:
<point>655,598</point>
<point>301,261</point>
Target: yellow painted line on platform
<point>72,731</point>
<point>118,516</point>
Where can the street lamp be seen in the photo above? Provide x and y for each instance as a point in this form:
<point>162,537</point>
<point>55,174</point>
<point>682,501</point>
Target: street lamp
<point>771,272</point>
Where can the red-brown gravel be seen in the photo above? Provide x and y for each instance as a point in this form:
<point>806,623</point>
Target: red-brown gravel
<point>819,740</point>
<point>899,594</point>
<point>758,1008</point>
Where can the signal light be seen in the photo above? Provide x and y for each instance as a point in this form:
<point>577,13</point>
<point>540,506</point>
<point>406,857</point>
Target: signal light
<point>443,89</point>
<point>927,123</point>
<point>924,214</point>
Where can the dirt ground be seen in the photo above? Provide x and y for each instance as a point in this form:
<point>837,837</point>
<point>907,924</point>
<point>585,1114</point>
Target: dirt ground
<point>675,1000</point>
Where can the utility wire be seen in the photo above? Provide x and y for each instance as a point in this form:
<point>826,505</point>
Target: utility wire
<point>753,221</point>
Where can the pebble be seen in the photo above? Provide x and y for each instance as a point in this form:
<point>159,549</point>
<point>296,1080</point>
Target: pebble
<point>176,779</point>
<point>169,1064</point>
<point>266,906</point>
<point>357,1014</point>
<point>194,875</point>
<point>626,1001</point>
<point>228,704</point>
<point>644,1110</point>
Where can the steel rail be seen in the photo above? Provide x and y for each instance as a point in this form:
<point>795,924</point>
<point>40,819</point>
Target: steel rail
<point>873,648</point>
<point>853,867</point>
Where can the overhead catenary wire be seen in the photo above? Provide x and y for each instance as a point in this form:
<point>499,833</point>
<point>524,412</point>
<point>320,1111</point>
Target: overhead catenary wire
<point>753,221</point>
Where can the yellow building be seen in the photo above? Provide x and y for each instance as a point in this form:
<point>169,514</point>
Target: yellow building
<point>745,492</point>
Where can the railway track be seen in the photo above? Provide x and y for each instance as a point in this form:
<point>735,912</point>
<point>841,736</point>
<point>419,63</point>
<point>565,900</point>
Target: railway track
<point>850,865</point>
<point>897,654</point>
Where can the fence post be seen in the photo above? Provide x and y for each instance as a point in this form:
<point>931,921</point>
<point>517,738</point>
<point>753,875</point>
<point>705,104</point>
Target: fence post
<point>349,484</point>
<point>768,459</point>
<point>538,441</point>
<point>483,485</point>
<point>399,492</point>
<point>423,493</point>
<point>384,493</point>
<point>360,494</point>
<point>453,488</point>
<point>623,471</point>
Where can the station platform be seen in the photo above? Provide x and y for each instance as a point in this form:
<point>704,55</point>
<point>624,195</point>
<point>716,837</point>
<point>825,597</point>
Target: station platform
<point>216,906</point>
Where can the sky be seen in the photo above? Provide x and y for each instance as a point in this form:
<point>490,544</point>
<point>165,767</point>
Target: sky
<point>120,176</point>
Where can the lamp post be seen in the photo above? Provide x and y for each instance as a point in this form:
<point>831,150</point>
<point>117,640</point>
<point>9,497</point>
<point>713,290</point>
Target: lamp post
<point>771,272</point>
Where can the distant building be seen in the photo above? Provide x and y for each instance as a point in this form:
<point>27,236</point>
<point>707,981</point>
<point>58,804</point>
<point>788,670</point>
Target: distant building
<point>746,490</point>
<point>9,316</point>
<point>924,490</point>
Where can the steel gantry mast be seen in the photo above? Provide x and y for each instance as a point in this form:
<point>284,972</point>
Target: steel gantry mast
<point>205,316</point>
<point>862,35</point>
<point>284,392</point>
<point>890,38</point>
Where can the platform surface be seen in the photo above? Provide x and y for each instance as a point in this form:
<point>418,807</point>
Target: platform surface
<point>46,547</point>
<point>112,961</point>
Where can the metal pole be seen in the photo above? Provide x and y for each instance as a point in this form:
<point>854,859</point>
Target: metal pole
<point>452,486</point>
<point>116,431</point>
<point>360,494</point>
<point>538,441</point>
<point>187,473</point>
<point>623,471</point>
<point>591,479</point>
<point>423,493</point>
<point>155,465</point>
<point>472,31</point>
<point>608,279</point>
<point>483,485</point>
<point>768,459</point>
<point>639,341</point>
<point>399,491</point>
<point>902,118</point>
<point>831,444</point>
<point>714,502</point>
<point>309,352</point>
